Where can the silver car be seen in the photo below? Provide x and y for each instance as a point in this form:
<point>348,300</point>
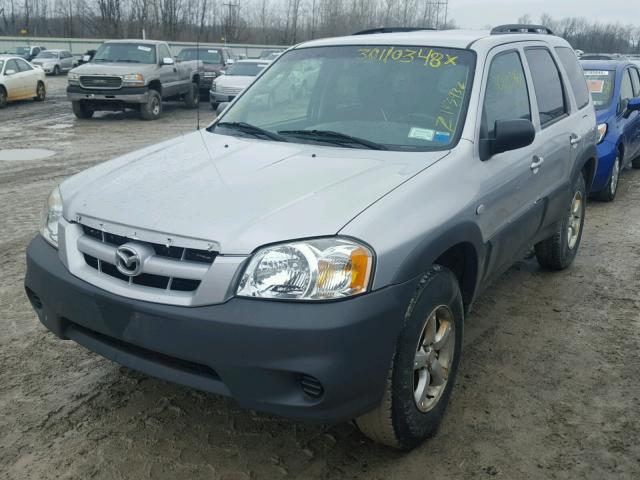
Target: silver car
<point>54,62</point>
<point>314,255</point>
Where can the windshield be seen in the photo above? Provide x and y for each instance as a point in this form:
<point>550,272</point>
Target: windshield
<point>600,83</point>
<point>47,55</point>
<point>246,69</point>
<point>403,98</point>
<point>20,51</point>
<point>126,52</point>
<point>208,56</point>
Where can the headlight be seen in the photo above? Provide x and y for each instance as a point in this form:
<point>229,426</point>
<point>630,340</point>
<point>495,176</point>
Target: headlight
<point>73,78</point>
<point>213,86</point>
<point>322,269</point>
<point>51,215</point>
<point>602,131</point>
<point>133,80</point>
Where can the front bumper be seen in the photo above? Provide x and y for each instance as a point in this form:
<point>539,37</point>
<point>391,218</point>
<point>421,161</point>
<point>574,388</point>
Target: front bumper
<point>607,152</point>
<point>100,96</point>
<point>258,352</point>
<point>215,97</point>
<point>47,69</point>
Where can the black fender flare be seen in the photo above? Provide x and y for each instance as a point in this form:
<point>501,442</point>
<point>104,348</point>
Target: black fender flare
<point>588,158</point>
<point>465,235</point>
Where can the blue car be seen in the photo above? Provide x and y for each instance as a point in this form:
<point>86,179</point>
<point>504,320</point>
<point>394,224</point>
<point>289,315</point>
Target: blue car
<point>615,89</point>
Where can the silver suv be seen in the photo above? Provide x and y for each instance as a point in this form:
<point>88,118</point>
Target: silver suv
<point>314,255</point>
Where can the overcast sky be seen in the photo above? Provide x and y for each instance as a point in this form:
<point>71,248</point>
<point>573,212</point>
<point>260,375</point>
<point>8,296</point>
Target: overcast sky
<point>479,13</point>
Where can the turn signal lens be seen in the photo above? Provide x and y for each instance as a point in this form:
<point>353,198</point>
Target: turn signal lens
<point>602,131</point>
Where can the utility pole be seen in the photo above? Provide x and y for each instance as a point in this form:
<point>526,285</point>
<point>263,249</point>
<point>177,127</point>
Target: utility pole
<point>435,7</point>
<point>230,6</point>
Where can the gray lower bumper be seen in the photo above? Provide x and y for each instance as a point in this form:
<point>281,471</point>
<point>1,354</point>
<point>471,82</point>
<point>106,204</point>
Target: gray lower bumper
<point>124,95</point>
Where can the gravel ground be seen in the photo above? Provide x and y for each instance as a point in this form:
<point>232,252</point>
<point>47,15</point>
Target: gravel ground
<point>548,385</point>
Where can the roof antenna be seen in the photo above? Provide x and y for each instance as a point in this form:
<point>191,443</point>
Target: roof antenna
<point>204,7</point>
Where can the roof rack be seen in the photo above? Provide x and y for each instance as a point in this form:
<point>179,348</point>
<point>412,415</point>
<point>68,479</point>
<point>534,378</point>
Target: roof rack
<point>521,28</point>
<point>371,31</point>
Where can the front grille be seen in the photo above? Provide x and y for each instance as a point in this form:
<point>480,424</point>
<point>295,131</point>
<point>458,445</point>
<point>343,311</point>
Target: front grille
<point>178,256</point>
<point>228,90</point>
<point>98,81</point>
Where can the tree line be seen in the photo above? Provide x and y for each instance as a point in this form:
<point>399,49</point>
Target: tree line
<point>247,21</point>
<point>282,22</point>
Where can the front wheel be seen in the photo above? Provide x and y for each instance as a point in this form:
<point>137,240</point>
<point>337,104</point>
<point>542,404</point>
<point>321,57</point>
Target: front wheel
<point>41,92</point>
<point>3,97</point>
<point>80,110</point>
<point>558,251</point>
<point>424,365</point>
<point>56,71</point>
<point>609,192</point>
<point>153,108</point>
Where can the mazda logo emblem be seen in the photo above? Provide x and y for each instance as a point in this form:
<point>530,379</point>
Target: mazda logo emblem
<point>128,261</point>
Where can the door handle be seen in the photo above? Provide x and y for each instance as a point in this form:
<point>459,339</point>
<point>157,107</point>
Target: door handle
<point>575,140</point>
<point>536,164</point>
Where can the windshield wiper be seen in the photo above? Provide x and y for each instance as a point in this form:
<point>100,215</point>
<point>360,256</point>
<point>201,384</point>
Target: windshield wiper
<point>252,130</point>
<point>127,61</point>
<point>333,137</point>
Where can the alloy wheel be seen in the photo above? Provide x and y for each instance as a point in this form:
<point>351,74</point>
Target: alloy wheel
<point>575,220</point>
<point>615,176</point>
<point>433,358</point>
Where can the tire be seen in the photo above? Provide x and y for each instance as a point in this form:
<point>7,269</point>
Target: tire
<point>214,106</point>
<point>3,97</point>
<point>399,421</point>
<point>41,92</point>
<point>558,251</point>
<point>80,110</point>
<point>153,108</point>
<point>192,97</point>
<point>56,71</point>
<point>608,194</point>
<point>635,163</point>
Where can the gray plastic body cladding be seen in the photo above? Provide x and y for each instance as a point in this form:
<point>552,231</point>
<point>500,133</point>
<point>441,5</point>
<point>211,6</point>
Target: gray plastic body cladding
<point>258,349</point>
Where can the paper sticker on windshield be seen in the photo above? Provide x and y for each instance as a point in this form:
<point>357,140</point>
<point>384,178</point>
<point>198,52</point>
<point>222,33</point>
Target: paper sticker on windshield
<point>212,51</point>
<point>596,73</point>
<point>442,137</point>
<point>595,86</point>
<point>422,134</point>
<point>430,58</point>
<point>143,48</point>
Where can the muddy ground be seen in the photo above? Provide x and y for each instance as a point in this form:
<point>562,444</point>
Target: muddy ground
<point>548,387</point>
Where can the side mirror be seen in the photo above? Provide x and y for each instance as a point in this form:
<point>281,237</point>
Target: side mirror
<point>167,61</point>
<point>86,58</point>
<point>508,135</point>
<point>633,105</point>
<point>9,72</point>
<point>221,108</point>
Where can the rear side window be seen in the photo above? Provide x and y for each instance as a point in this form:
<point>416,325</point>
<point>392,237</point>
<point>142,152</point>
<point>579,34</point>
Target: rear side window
<point>576,76</point>
<point>547,84</point>
<point>626,90</point>
<point>506,96</point>
<point>635,79</point>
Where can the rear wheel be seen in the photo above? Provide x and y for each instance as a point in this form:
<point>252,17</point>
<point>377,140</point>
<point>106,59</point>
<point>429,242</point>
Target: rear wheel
<point>424,365</point>
<point>3,97</point>
<point>192,97</point>
<point>41,92</point>
<point>81,110</point>
<point>153,108</point>
<point>609,192</point>
<point>558,251</point>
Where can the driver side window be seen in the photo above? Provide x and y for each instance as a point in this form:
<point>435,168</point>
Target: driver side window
<point>164,52</point>
<point>506,96</point>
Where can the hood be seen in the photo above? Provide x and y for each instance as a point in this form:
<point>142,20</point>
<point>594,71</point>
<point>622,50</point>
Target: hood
<point>237,194</point>
<point>234,81</point>
<point>44,60</point>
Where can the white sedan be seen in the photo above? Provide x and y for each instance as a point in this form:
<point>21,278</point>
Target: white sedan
<point>19,80</point>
